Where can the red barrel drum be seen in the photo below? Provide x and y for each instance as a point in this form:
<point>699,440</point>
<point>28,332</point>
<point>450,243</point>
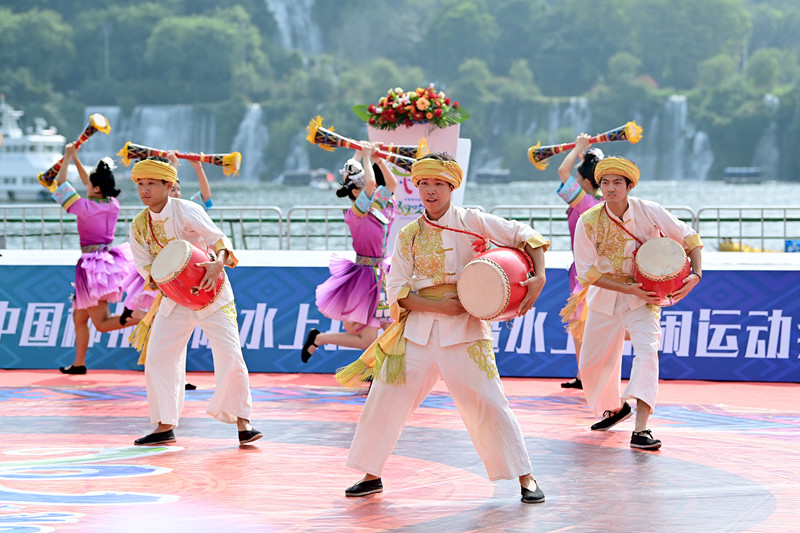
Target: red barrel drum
<point>176,273</point>
<point>661,265</point>
<point>488,286</point>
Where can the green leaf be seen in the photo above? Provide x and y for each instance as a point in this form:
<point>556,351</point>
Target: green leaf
<point>361,111</point>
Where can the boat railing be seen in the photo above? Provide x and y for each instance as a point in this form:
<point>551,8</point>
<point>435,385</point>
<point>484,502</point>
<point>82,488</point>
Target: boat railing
<point>306,227</point>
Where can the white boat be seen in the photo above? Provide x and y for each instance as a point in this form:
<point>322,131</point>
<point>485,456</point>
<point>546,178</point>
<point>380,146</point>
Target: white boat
<point>24,155</point>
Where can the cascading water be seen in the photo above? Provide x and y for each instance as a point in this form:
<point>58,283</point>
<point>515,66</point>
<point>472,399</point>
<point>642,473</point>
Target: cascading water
<point>296,29</point>
<point>767,155</point>
<point>251,139</point>
<point>169,127</point>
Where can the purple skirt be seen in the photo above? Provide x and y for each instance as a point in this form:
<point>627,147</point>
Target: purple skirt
<point>135,295</point>
<point>100,276</point>
<point>351,293</point>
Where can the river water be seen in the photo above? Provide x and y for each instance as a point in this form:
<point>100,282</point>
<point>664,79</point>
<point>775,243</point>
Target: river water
<point>693,194</point>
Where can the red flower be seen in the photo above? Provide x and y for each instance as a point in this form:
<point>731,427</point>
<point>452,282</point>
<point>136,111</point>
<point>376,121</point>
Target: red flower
<point>372,121</point>
<point>455,105</point>
<point>437,112</point>
<point>371,109</point>
<point>447,101</point>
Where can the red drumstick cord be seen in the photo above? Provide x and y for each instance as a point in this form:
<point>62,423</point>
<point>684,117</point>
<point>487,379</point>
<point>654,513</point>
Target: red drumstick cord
<point>153,233</point>
<point>479,244</point>
<point>615,221</point>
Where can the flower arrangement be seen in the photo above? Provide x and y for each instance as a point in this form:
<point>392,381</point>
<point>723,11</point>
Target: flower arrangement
<point>422,106</point>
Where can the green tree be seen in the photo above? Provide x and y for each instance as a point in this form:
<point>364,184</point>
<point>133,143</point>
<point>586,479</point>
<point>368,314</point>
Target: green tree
<point>763,68</point>
<point>39,41</point>
<point>194,55</point>
<point>716,70</point>
<point>461,29</point>
<point>674,36</point>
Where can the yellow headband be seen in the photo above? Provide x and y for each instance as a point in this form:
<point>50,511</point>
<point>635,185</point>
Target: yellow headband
<point>150,169</point>
<point>448,171</point>
<point>619,166</point>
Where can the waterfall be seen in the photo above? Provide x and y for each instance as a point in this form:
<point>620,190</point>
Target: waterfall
<point>298,157</point>
<point>296,29</point>
<point>166,127</point>
<point>251,140</point>
<point>767,155</point>
<point>672,147</point>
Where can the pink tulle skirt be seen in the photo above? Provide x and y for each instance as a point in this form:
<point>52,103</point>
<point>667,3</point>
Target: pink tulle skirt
<point>351,293</point>
<point>100,276</point>
<point>135,295</point>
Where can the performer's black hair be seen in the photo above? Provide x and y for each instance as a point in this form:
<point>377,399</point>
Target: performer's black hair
<point>346,190</point>
<point>586,168</point>
<point>103,177</point>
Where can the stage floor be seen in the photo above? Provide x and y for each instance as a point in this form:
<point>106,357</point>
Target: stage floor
<point>730,461</point>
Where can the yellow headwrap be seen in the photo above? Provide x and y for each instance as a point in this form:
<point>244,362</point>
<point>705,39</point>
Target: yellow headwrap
<point>150,169</point>
<point>619,166</point>
<point>448,171</point>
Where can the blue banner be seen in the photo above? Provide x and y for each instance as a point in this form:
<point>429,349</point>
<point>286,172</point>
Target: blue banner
<point>735,326</point>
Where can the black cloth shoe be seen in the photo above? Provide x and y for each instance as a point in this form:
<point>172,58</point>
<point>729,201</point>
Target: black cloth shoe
<point>532,496</point>
<point>189,386</point>
<point>249,435</point>
<point>305,355</point>
<point>162,437</point>
<point>611,419</point>
<point>126,314</point>
<point>364,488</point>
<point>572,384</point>
<point>72,369</point>
<point>644,440</point>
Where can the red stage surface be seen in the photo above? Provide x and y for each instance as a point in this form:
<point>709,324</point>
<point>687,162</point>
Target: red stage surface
<point>730,461</point>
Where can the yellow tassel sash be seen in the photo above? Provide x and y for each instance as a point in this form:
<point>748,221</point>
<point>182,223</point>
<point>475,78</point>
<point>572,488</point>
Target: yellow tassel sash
<point>141,334</point>
<point>389,349</point>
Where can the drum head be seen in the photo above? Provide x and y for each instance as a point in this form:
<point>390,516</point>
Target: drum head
<point>171,260</point>
<point>660,258</point>
<point>98,121</point>
<point>483,289</point>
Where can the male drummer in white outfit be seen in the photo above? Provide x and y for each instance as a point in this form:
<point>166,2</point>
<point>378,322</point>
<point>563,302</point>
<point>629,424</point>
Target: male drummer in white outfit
<point>440,339</point>
<point>604,246</point>
<point>166,219</point>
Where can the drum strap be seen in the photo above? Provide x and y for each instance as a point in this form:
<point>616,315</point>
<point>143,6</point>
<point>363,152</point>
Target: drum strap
<point>479,244</point>
<point>153,233</point>
<point>615,221</point>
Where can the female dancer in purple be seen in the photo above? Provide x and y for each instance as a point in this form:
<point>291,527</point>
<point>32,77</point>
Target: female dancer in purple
<point>102,269</point>
<point>580,192</point>
<point>354,294</point>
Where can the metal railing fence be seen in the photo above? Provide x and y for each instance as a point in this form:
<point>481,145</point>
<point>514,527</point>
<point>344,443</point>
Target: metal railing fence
<point>37,226</point>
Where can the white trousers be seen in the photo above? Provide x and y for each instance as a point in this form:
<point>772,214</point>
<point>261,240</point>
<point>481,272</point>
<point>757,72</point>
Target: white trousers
<point>601,356</point>
<point>165,366</point>
<point>483,407</point>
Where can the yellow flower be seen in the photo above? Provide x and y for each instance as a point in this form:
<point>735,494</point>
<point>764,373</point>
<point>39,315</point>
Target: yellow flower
<point>422,104</point>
